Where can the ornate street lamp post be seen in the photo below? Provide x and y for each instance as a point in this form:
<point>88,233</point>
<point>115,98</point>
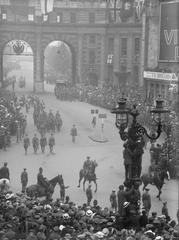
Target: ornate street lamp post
<point>133,134</point>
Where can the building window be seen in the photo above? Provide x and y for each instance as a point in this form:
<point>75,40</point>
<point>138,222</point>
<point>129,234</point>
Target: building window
<point>111,45</point>
<point>123,68</point>
<point>137,46</point>
<point>124,47</point>
<point>91,17</point>
<point>4,15</point>
<point>92,57</point>
<point>30,17</point>
<point>92,39</point>
<point>45,18</point>
<point>60,18</point>
<point>73,17</point>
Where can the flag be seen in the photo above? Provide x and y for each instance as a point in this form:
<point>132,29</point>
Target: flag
<point>139,6</point>
<point>46,6</point>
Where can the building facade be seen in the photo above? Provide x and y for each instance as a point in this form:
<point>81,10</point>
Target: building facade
<point>159,77</point>
<point>104,36</point>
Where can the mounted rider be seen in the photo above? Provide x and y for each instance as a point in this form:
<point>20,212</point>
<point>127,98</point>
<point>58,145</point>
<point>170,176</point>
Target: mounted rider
<point>42,181</point>
<point>87,165</point>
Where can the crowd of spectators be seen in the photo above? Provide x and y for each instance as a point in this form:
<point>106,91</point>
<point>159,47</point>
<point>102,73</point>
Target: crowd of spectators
<point>24,218</point>
<point>11,118</point>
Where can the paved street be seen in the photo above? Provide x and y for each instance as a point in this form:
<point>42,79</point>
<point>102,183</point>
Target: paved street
<point>68,158</point>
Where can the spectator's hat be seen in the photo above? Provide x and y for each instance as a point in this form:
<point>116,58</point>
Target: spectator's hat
<point>126,204</point>
<point>166,236</point>
<point>147,189</point>
<point>66,216</point>
<point>99,235</point>
<point>164,203</point>
<point>150,234</point>
<point>68,236</point>
<point>56,228</point>
<point>89,213</point>
<point>159,238</point>
<point>88,157</point>
<point>25,169</point>
<point>61,227</point>
<point>105,231</point>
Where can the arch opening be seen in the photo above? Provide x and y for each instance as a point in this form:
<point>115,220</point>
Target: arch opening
<point>58,64</point>
<point>18,66</point>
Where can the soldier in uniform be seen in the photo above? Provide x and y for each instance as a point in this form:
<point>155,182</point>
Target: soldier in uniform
<point>26,143</point>
<point>73,133</point>
<point>35,143</point>
<point>113,200</point>
<point>41,181</point>
<point>89,195</point>
<point>51,142</point>
<point>24,180</point>
<point>146,200</point>
<point>58,121</point>
<point>4,172</point>
<point>86,165</point>
<point>43,143</point>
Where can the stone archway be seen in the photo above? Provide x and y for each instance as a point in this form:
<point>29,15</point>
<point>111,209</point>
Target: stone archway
<point>72,43</point>
<point>18,65</point>
<point>58,63</point>
<point>7,37</point>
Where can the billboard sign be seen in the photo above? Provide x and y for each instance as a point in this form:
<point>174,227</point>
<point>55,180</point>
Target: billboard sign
<point>160,76</point>
<point>169,32</point>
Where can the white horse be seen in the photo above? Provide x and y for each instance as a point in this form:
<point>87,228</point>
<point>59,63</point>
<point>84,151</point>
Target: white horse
<point>4,185</point>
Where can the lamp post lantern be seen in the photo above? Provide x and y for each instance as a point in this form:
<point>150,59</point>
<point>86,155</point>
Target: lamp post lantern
<point>133,134</point>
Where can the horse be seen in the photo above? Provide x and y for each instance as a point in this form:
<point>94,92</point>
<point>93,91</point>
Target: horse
<point>4,185</point>
<point>87,176</point>
<point>157,179</point>
<point>39,191</point>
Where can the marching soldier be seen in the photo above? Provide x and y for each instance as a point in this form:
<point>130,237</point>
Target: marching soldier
<point>73,133</point>
<point>43,143</point>
<point>51,142</point>
<point>62,191</point>
<point>24,180</point>
<point>35,143</point>
<point>4,172</point>
<point>58,121</point>
<point>26,143</point>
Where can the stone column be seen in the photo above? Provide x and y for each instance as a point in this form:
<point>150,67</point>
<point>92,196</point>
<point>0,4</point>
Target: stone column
<point>130,59</point>
<point>39,66</point>
<point>1,68</point>
<point>79,64</point>
<point>116,58</point>
<point>103,60</point>
<point>143,50</point>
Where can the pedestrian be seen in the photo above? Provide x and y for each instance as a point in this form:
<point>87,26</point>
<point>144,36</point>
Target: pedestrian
<point>89,194</point>
<point>62,191</point>
<point>26,143</point>
<point>4,172</point>
<point>146,200</point>
<point>18,132</point>
<point>35,143</point>
<point>113,200</point>
<point>73,133</point>
<point>51,142</point>
<point>121,197</point>
<point>165,210</point>
<point>43,142</point>
<point>24,180</point>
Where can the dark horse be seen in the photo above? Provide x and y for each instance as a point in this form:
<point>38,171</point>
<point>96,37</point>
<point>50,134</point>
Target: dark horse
<point>157,180</point>
<point>39,191</point>
<point>88,176</point>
